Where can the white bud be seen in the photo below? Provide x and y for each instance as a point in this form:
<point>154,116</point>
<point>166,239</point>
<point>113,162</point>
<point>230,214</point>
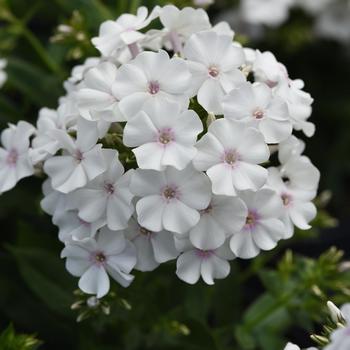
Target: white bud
<point>334,312</point>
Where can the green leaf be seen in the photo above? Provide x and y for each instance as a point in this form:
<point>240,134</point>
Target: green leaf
<point>45,275</point>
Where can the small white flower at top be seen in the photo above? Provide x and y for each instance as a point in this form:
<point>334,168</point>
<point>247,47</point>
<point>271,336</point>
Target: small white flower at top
<point>213,61</point>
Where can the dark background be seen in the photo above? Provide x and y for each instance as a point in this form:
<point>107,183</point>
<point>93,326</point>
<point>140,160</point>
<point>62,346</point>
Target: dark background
<point>35,290</point>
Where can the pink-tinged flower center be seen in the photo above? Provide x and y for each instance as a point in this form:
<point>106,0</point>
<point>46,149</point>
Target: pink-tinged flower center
<point>230,157</point>
<point>251,219</point>
<point>286,198</point>
<point>207,210</point>
<point>165,136</point>
<point>258,113</point>
<point>78,156</point>
<point>170,193</point>
<point>109,188</point>
<point>213,71</point>
<point>84,223</point>
<point>12,157</point>
<point>143,231</point>
<point>153,87</point>
<point>271,84</point>
<point>204,254</point>
<point>99,258</point>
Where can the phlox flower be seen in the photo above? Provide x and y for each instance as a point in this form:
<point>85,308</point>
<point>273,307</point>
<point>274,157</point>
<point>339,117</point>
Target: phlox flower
<point>230,153</point>
<point>164,136</point>
<point>256,105</point>
<point>93,259</point>
<point>298,208</point>
<point>263,227</point>
<point>82,160</point>
<point>151,76</point>
<point>223,216</point>
<point>194,263</point>
<point>170,200</point>
<point>15,161</point>
<point>152,248</point>
<point>95,100</point>
<point>125,31</point>
<point>107,197</point>
<point>213,61</point>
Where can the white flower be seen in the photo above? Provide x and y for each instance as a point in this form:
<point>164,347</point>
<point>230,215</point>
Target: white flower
<point>54,203</point>
<point>3,74</point>
<point>71,226</point>
<point>213,61</point>
<point>268,70</point>
<point>79,71</point>
<point>96,100</point>
<point>263,227</point>
<point>340,339</point>
<point>230,153</point>
<point>256,105</point>
<point>107,197</point>
<point>203,3</point>
<point>91,259</point>
<point>291,147</point>
<point>15,161</point>
<point>152,248</point>
<point>45,145</point>
<point>291,346</point>
<point>81,161</point>
<point>301,174</point>
<point>151,76</point>
<point>116,35</point>
<point>223,216</point>
<point>299,104</point>
<point>179,25</point>
<point>164,136</point>
<point>194,263</point>
<point>170,199</point>
<point>298,208</point>
<point>269,12</point>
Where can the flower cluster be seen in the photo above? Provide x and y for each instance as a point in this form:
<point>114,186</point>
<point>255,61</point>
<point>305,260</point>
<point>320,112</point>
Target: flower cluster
<point>176,143</point>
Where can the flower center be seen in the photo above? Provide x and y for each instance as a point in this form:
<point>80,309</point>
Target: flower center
<point>109,188</point>
<point>100,258</point>
<point>12,157</point>
<point>153,87</point>
<point>165,136</point>
<point>258,114</point>
<point>231,157</point>
<point>204,254</point>
<point>213,71</point>
<point>251,219</point>
<point>78,156</point>
<point>169,193</point>
<point>84,223</point>
<point>286,198</point>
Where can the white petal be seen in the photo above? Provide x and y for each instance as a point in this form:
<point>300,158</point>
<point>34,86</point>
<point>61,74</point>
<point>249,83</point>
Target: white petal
<point>302,213</point>
<point>95,281</point>
<point>243,246</point>
<point>214,267</point>
<point>150,212</point>
<point>164,246</point>
<point>188,267</point>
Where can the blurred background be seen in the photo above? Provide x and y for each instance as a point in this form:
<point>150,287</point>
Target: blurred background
<point>312,38</point>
